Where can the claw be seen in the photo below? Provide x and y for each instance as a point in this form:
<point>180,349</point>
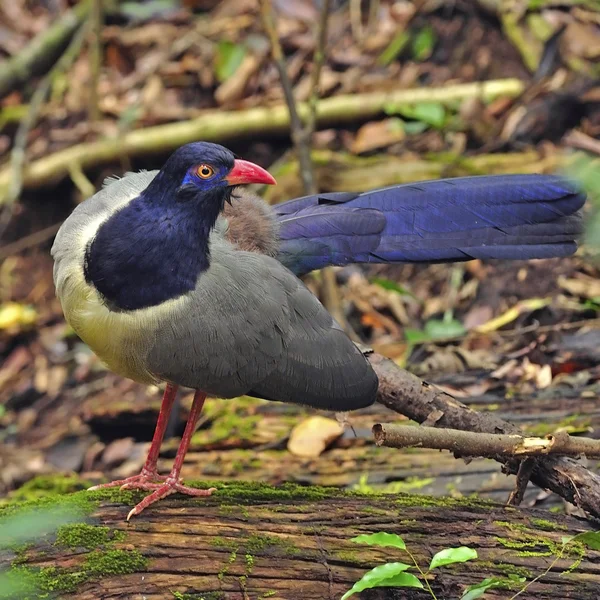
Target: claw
<point>170,486</point>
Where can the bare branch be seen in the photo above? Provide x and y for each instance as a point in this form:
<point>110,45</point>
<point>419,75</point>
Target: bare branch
<point>318,61</point>
<point>95,51</point>
<point>471,444</point>
<point>410,396</point>
<point>297,130</point>
<point>523,476</point>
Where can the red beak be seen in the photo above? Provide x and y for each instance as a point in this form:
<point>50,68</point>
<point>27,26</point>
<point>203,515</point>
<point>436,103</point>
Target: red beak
<point>246,172</point>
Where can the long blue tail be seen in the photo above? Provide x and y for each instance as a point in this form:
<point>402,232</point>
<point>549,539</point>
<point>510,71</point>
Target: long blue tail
<point>501,216</point>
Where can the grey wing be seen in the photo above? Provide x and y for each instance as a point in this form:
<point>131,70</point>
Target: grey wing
<point>252,327</point>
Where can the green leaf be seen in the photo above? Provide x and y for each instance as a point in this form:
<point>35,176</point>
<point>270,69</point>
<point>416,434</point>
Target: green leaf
<point>423,44</point>
<point>432,113</point>
<point>414,127</point>
<point>388,284</point>
<point>228,58</point>
<point>479,589</point>
<point>415,336</point>
<point>449,556</point>
<point>436,329</point>
<point>591,539</point>
<point>388,575</point>
<point>142,11</point>
<point>394,48</point>
<point>381,539</point>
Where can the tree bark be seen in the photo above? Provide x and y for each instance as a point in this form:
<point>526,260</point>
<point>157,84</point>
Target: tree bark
<point>251,541</point>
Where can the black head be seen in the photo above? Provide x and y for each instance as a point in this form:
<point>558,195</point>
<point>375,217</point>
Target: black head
<point>205,173</point>
<point>156,246</point>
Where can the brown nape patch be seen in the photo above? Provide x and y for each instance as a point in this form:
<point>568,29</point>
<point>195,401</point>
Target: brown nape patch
<point>251,224</point>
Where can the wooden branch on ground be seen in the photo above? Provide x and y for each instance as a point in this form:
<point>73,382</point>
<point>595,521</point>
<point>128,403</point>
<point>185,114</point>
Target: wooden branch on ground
<point>410,396</point>
<point>466,444</point>
<point>219,126</point>
<point>250,541</point>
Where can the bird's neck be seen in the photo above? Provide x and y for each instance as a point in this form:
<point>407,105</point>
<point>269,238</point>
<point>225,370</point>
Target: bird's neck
<point>150,251</point>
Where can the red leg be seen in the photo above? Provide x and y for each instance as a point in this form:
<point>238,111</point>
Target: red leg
<point>173,483</point>
<point>149,472</point>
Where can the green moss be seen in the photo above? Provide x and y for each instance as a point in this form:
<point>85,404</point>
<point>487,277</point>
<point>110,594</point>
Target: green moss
<point>529,543</point>
<point>572,424</point>
<point>371,510</point>
<point>232,419</point>
<point>249,563</point>
<point>221,542</point>
<point>116,495</point>
<point>215,595</point>
<point>256,542</point>
<point>506,569</point>
<point>238,492</point>
<point>114,562</point>
<point>268,594</point>
<point>33,583</point>
<point>349,556</point>
<point>53,579</point>
<point>548,525</point>
<point>82,535</point>
<point>410,500</point>
<point>48,485</point>
<point>74,506</point>
<point>232,558</point>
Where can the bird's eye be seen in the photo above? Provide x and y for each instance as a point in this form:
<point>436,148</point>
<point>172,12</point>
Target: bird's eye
<point>205,171</point>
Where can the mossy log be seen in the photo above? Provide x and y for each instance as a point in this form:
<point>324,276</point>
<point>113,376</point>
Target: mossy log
<point>251,541</point>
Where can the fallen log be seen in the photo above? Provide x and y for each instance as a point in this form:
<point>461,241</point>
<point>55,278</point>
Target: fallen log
<point>252,541</point>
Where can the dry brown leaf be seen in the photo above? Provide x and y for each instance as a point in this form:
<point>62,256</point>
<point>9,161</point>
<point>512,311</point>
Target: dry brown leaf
<point>378,134</point>
<point>477,316</point>
<point>454,359</point>
<point>582,40</point>
<point>584,286</point>
<point>313,435</point>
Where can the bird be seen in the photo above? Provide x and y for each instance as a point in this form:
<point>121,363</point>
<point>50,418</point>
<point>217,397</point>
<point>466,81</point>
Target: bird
<point>180,276</point>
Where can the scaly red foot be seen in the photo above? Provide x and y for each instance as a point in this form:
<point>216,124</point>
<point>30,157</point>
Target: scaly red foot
<point>135,482</point>
<point>162,490</point>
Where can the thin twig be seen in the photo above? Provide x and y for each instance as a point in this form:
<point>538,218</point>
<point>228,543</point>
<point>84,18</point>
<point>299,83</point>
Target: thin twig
<point>33,239</point>
<point>469,443</point>
<point>82,183</point>
<point>318,61</point>
<point>297,130</point>
<point>18,154</point>
<point>302,133</point>
<point>95,51</point>
<point>523,477</point>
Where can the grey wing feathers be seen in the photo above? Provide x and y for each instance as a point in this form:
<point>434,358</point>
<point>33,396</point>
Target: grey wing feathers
<point>252,327</point>
<point>321,367</point>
